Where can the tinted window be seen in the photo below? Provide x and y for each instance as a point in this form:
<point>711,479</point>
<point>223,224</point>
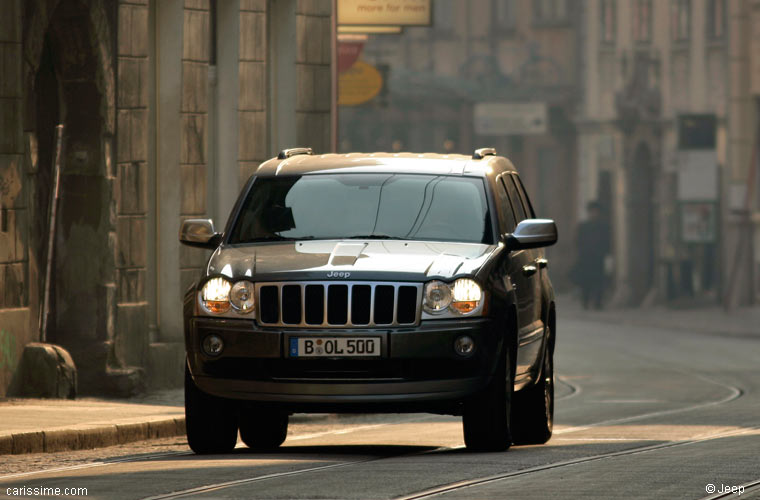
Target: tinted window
<point>531,214</point>
<point>329,206</point>
<point>514,197</point>
<point>506,214</point>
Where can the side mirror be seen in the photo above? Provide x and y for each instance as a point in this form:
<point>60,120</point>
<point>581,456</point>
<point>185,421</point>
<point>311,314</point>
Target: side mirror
<point>199,233</point>
<point>532,233</point>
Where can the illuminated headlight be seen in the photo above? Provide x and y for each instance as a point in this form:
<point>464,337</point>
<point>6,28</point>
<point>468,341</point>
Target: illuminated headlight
<point>241,296</point>
<point>462,297</point>
<point>437,297</point>
<point>216,295</point>
<point>466,294</point>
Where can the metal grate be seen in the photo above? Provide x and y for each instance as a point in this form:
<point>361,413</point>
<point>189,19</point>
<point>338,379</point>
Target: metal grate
<point>341,304</point>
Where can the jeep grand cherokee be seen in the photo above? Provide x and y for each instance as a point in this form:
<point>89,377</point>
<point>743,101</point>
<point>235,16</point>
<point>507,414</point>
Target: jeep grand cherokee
<point>372,283</point>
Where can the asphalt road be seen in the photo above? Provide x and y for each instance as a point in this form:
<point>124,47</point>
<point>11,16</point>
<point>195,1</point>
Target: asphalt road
<point>641,413</point>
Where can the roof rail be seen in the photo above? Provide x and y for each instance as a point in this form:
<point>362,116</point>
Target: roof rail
<point>287,153</point>
<point>479,154</point>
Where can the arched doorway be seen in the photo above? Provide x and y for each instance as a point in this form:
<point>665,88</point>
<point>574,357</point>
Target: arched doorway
<point>70,85</point>
<point>641,222</point>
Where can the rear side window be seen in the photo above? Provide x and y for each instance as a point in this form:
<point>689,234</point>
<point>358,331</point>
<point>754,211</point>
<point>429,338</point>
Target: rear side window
<point>524,194</point>
<point>514,197</point>
<point>506,214</point>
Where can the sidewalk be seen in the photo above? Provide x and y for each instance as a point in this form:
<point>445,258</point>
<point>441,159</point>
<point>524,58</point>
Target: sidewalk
<point>710,320</point>
<point>47,425</point>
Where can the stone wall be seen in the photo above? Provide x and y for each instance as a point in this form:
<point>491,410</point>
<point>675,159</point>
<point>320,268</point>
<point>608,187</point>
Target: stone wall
<point>252,97</point>
<point>14,296</point>
<point>13,201</point>
<point>152,160</point>
<point>132,182</point>
<point>193,129</point>
<point>313,57</point>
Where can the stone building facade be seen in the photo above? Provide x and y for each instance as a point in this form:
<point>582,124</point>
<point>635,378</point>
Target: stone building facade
<point>654,131</point>
<point>168,107</point>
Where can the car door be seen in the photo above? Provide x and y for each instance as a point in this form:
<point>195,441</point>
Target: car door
<point>525,276</point>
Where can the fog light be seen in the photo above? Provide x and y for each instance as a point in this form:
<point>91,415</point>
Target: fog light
<point>464,345</point>
<point>213,345</point>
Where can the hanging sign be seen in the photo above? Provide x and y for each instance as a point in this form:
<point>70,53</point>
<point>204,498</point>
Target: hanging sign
<point>384,12</point>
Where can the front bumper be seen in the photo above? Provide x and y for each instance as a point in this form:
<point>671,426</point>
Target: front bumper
<point>418,368</point>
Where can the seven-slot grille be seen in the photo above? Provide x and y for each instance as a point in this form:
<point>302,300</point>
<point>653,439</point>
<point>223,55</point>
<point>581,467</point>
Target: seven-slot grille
<point>338,304</point>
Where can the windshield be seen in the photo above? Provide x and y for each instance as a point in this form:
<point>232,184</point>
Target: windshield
<point>365,206</point>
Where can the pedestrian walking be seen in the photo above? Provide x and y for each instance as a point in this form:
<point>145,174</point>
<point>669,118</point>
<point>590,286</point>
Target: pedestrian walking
<point>593,247</point>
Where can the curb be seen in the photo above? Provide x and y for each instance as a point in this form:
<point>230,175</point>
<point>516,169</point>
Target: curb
<point>82,438</point>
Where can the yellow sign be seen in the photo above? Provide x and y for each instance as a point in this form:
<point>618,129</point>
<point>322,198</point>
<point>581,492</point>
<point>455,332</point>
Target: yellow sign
<point>384,12</point>
<point>358,84</point>
<point>369,30</point>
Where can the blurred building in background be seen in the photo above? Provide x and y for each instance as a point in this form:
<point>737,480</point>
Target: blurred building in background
<point>168,106</point>
<point>666,130</point>
<point>740,262</point>
<point>482,73</point>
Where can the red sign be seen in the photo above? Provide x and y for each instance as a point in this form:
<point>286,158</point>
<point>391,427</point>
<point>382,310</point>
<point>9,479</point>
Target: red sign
<point>348,54</point>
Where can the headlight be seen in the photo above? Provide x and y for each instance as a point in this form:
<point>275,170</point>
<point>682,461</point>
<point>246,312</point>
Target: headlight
<point>216,295</point>
<point>467,295</point>
<point>437,296</point>
<point>462,297</point>
<point>241,296</point>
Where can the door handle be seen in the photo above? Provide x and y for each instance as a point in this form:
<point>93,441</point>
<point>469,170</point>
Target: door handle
<point>529,270</point>
<point>542,263</point>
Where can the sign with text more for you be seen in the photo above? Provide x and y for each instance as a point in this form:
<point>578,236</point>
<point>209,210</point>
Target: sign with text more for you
<point>384,12</point>
<point>510,118</point>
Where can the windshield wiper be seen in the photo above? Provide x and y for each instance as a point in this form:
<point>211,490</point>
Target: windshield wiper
<point>268,238</point>
<point>374,237</point>
<point>275,237</point>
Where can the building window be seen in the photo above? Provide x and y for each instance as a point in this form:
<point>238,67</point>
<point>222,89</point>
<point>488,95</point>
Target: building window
<point>549,12</point>
<point>680,19</point>
<point>608,26</point>
<point>716,19</point>
<point>642,21</point>
<point>504,15</point>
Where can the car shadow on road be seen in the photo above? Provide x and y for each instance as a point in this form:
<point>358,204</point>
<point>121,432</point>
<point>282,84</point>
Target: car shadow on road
<point>320,452</point>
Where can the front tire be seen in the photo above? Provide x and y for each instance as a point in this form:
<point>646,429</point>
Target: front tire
<point>211,422</point>
<point>486,418</point>
<point>262,430</point>
<point>533,411</point>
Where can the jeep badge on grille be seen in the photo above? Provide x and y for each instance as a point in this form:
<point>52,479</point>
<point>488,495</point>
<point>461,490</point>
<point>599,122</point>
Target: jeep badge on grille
<point>342,274</point>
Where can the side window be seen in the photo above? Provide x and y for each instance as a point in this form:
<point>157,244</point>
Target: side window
<point>524,194</point>
<point>514,197</point>
<point>506,214</point>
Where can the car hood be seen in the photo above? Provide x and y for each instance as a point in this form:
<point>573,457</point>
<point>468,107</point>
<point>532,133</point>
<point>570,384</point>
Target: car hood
<point>338,259</point>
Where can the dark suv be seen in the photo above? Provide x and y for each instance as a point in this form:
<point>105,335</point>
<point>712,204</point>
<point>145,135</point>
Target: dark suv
<point>372,283</point>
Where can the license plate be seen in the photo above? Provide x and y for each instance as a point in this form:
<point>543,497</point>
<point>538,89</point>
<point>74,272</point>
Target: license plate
<point>316,347</point>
